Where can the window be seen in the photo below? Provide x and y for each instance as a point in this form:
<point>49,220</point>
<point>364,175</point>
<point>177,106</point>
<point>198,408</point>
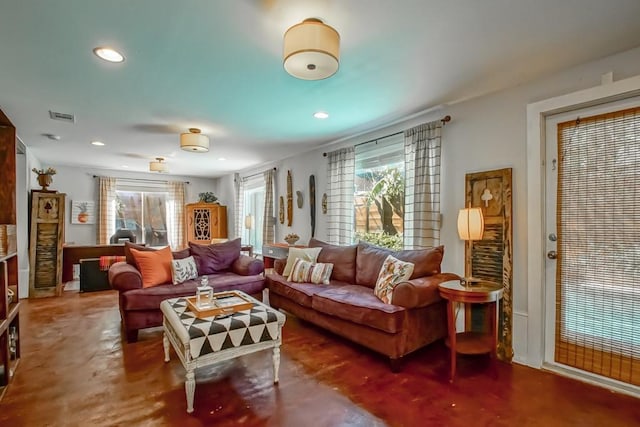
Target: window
<point>254,195</point>
<point>144,213</point>
<point>379,192</point>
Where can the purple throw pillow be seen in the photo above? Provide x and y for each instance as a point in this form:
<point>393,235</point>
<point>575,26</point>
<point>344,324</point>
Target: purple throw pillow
<point>215,258</point>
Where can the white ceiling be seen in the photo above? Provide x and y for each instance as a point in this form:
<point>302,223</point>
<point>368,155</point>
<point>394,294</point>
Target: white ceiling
<point>217,65</point>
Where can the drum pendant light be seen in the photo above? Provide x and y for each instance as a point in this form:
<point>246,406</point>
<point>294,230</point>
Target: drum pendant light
<point>311,50</point>
<point>194,141</point>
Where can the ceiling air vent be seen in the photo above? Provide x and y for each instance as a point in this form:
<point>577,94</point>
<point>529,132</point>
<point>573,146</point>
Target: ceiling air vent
<point>69,118</point>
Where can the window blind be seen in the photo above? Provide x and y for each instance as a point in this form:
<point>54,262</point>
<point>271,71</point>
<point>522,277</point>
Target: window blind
<point>598,269</point>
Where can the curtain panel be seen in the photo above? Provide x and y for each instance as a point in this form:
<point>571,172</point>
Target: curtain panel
<point>176,215</point>
<point>107,209</point>
<point>239,220</point>
<point>422,185</point>
<point>268,230</point>
<point>340,188</point>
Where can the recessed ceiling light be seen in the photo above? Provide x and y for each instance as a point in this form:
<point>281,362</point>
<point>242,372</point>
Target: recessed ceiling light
<point>98,143</point>
<point>108,54</point>
<point>124,166</point>
<point>222,159</point>
<point>321,115</point>
<point>52,136</point>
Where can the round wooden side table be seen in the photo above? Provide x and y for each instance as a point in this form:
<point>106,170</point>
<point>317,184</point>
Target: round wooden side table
<point>469,342</point>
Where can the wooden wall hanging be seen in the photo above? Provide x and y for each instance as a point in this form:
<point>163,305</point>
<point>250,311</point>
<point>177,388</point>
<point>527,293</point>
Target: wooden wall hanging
<point>492,257</point>
<point>289,199</point>
<point>281,211</point>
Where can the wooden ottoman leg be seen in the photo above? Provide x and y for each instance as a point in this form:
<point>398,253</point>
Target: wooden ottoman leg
<point>190,388</point>
<point>165,344</point>
<point>276,363</point>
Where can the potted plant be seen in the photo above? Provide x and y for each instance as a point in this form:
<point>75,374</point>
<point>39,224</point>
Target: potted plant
<point>44,176</point>
<point>83,215</point>
<point>207,197</point>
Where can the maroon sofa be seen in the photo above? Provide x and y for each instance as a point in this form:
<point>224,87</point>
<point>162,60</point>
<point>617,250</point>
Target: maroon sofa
<point>140,307</point>
<point>348,306</point>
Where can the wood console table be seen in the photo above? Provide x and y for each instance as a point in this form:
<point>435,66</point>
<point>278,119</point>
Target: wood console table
<point>72,254</point>
<point>471,342</point>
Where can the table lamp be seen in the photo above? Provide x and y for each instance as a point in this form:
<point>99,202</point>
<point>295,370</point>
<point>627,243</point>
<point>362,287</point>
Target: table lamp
<point>470,227</point>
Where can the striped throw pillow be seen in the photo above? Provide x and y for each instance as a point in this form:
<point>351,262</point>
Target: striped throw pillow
<point>310,272</point>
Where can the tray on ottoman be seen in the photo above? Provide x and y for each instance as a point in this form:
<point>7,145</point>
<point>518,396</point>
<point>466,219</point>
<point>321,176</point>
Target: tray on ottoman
<point>224,303</point>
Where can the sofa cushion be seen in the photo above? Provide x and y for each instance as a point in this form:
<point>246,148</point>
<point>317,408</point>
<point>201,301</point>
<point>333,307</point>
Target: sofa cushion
<point>392,272</point>
<point>370,258</point>
<point>310,272</point>
<point>358,304</point>
<point>215,258</point>
<point>183,270</point>
<point>300,293</point>
<point>154,266</point>
<point>343,259</point>
<point>150,298</point>
<point>306,254</point>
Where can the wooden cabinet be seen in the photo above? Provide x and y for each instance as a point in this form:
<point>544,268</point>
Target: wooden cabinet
<point>206,221</point>
<point>9,301</point>
<point>46,239</point>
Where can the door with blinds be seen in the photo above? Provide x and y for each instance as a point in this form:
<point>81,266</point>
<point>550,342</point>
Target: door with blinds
<point>593,242</point>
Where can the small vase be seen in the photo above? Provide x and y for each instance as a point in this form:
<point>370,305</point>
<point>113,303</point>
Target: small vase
<point>44,180</point>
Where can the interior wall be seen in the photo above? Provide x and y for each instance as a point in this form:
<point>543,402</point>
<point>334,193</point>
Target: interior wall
<point>485,133</point>
<point>79,184</point>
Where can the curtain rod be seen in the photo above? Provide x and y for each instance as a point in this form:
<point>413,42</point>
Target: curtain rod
<point>141,179</point>
<point>444,121</point>
<point>256,174</point>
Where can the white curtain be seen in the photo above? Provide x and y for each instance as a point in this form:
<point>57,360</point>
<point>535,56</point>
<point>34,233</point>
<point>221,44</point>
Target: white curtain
<point>268,232</point>
<point>340,188</point>
<point>107,202</point>
<point>422,188</point>
<point>239,220</point>
<point>175,215</point>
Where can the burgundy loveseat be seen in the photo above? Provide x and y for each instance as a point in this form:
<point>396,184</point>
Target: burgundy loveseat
<point>140,307</point>
<point>348,306</point>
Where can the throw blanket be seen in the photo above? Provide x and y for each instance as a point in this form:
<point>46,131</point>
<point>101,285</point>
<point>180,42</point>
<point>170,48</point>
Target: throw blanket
<point>107,261</point>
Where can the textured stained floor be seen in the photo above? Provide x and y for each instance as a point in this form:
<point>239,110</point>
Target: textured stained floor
<point>77,371</point>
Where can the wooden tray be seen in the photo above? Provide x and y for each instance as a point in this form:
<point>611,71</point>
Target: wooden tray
<point>225,303</point>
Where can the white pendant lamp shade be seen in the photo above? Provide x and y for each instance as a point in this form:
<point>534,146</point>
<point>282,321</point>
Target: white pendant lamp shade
<point>311,50</point>
<point>470,224</point>
<point>158,165</point>
<point>194,141</point>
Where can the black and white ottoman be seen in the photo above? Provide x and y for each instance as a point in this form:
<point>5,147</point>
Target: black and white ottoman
<point>202,342</point>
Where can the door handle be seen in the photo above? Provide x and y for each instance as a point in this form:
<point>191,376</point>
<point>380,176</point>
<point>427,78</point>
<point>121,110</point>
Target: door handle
<point>552,255</point>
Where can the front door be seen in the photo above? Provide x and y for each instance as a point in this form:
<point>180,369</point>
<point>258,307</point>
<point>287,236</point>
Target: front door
<point>592,236</point>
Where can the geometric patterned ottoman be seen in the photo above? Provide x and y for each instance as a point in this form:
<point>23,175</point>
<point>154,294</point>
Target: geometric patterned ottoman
<point>203,342</point>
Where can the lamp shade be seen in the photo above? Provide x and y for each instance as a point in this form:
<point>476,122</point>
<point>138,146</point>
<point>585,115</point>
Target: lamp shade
<point>194,141</point>
<point>470,224</point>
<point>158,165</point>
<point>248,222</point>
<point>311,50</point>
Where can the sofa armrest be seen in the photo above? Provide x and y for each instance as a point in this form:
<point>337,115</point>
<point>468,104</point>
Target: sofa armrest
<point>124,277</point>
<point>247,266</point>
<point>421,291</point>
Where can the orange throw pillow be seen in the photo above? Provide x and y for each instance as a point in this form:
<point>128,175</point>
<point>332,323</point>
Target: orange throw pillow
<point>154,266</point>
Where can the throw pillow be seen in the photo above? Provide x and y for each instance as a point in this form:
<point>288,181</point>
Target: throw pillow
<point>392,272</point>
<point>154,266</point>
<point>309,272</point>
<point>129,256</point>
<point>214,258</point>
<point>305,254</point>
<point>183,270</point>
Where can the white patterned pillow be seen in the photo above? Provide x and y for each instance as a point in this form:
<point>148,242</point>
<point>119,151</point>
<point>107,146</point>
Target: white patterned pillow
<point>392,272</point>
<point>306,254</point>
<point>309,272</point>
<point>183,270</point>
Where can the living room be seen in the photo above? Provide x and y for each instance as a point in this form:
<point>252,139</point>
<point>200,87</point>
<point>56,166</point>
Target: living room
<point>497,111</point>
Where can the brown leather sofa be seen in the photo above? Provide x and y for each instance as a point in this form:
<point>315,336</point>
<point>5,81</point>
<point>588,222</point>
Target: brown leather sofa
<point>348,306</point>
<point>140,307</point>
